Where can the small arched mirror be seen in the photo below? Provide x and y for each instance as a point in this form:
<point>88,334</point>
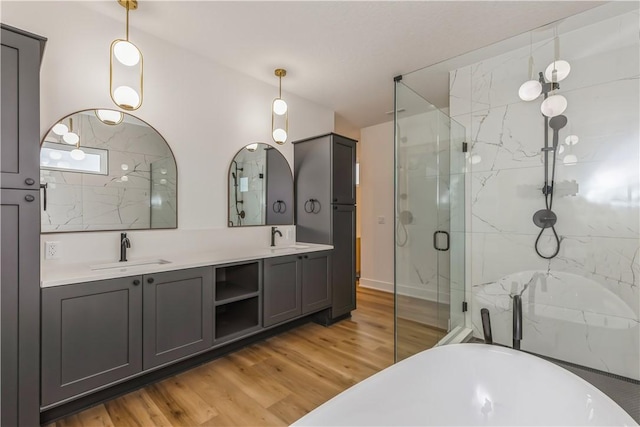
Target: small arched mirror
<point>106,170</point>
<point>260,187</point>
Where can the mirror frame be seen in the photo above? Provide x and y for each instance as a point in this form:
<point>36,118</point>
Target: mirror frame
<point>42,141</point>
<point>293,191</point>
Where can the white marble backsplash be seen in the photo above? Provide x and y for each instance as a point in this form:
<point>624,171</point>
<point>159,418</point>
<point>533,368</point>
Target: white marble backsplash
<point>582,306</point>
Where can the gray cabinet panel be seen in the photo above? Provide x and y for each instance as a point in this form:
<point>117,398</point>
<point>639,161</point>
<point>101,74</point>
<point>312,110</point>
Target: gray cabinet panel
<point>344,271</point>
<point>279,187</point>
<point>316,281</point>
<point>20,112</point>
<point>313,181</point>
<point>344,177</point>
<point>178,307</point>
<point>91,336</point>
<point>282,289</point>
<point>20,307</point>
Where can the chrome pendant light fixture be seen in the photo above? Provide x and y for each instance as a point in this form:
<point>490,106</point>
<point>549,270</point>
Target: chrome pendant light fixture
<point>279,113</point>
<point>126,68</point>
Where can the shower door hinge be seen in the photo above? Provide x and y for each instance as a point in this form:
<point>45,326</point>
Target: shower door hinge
<point>465,147</point>
<point>464,306</point>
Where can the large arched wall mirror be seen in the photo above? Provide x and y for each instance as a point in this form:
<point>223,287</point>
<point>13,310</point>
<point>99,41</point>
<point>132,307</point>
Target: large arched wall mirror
<point>260,187</point>
<point>106,170</point>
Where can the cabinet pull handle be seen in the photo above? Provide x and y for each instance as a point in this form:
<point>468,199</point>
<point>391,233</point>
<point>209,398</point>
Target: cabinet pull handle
<point>136,282</point>
<point>335,199</point>
<point>29,198</point>
<point>44,187</point>
<point>299,257</point>
<point>306,256</point>
<point>150,280</point>
<point>335,208</point>
<point>29,181</point>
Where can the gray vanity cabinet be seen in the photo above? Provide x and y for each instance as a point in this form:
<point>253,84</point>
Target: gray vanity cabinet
<point>325,209</point>
<point>296,285</point>
<point>19,178</point>
<point>91,336</point>
<point>282,289</point>
<point>177,307</point>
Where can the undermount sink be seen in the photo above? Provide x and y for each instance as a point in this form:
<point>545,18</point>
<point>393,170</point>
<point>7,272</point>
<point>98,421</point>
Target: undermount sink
<point>125,264</point>
<point>288,248</point>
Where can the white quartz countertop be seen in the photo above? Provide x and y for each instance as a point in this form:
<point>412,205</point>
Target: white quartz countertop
<point>66,274</point>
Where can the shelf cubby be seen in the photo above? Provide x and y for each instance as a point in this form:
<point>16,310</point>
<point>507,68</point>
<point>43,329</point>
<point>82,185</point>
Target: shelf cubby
<point>236,282</point>
<point>236,317</point>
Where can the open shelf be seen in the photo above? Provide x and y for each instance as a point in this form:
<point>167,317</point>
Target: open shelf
<point>236,317</point>
<point>235,282</point>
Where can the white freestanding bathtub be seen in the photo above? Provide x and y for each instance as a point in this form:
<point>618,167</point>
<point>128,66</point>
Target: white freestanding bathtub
<point>470,384</point>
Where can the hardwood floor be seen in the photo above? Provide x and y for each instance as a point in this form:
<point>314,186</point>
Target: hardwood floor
<point>273,382</point>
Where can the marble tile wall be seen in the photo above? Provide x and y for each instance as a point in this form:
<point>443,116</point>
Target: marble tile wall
<point>251,187</point>
<point>583,305</point>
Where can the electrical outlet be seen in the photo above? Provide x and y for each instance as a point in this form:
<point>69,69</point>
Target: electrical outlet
<point>51,250</point>
<point>381,220</point>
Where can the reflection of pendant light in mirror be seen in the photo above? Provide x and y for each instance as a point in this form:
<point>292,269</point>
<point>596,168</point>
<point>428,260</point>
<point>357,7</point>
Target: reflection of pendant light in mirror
<point>532,88</point>
<point>77,154</point>
<point>70,137</point>
<point>110,117</point>
<point>279,113</point>
<point>126,68</point>
<point>558,70</point>
<point>553,105</point>
<point>252,147</point>
<point>571,140</point>
<point>60,129</point>
<point>570,160</point>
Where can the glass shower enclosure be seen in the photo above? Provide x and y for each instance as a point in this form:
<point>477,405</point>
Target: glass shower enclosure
<point>429,223</point>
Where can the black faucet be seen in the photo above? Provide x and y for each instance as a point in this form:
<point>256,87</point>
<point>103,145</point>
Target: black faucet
<point>517,321</point>
<point>124,244</point>
<point>274,231</point>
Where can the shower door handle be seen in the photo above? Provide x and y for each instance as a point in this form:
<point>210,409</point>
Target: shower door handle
<point>435,240</point>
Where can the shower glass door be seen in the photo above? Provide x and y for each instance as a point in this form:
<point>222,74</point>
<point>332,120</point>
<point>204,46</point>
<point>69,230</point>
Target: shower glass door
<point>429,224</point>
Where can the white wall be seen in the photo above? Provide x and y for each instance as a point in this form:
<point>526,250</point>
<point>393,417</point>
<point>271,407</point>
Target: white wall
<point>376,187</point>
<point>205,111</point>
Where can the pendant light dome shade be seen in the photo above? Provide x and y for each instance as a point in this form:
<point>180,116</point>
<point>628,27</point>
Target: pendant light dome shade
<point>561,68</point>
<point>553,105</point>
<point>279,106</point>
<point>530,90</point>
<point>126,98</point>
<point>126,53</point>
<point>71,138</point>
<point>280,136</point>
<point>570,159</point>
<point>60,129</point>
<point>110,117</point>
<point>77,154</point>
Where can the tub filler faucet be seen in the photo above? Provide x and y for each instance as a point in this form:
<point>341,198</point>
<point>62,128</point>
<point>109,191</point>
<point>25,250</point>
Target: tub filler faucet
<point>517,321</point>
<point>124,244</point>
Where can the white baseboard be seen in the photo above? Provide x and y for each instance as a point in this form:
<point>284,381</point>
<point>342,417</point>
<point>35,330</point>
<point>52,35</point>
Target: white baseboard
<point>377,285</point>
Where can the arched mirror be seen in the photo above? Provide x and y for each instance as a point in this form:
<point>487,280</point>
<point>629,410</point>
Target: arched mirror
<point>260,187</point>
<point>106,170</point>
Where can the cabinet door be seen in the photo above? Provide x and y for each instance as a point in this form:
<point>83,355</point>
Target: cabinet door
<point>178,307</point>
<point>282,289</point>
<point>344,171</point>
<point>20,112</point>
<point>316,281</point>
<point>344,270</point>
<point>279,184</point>
<point>20,307</point>
<point>313,182</point>
<point>91,336</point>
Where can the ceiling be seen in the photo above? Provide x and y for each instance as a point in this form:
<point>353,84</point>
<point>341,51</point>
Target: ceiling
<point>339,54</point>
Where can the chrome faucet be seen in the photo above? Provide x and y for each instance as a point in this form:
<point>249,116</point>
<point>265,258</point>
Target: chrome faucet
<point>124,244</point>
<point>517,321</point>
<point>274,231</point>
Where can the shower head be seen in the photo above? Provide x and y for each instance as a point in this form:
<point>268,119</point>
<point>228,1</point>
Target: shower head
<point>556,123</point>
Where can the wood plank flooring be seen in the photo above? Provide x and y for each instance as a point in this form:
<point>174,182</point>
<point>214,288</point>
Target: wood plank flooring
<point>273,382</point>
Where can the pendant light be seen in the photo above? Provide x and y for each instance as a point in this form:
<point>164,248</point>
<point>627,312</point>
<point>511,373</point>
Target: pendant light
<point>110,117</point>
<point>555,104</point>
<point>76,153</point>
<point>279,113</point>
<point>532,88</point>
<point>126,68</point>
<point>70,137</point>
